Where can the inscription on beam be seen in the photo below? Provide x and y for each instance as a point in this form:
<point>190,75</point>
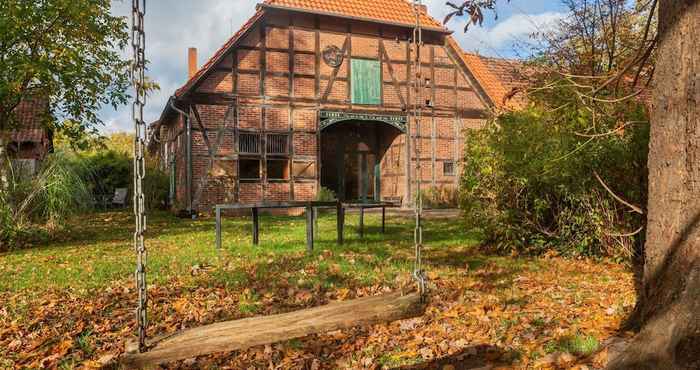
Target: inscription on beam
<point>329,118</point>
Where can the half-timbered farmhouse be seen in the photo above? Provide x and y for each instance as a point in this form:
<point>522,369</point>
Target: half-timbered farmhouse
<point>318,93</point>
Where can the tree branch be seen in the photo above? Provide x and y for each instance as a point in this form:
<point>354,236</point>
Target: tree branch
<point>630,205</point>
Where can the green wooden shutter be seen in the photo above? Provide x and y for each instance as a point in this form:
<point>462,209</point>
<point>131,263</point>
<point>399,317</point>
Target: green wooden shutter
<point>366,81</point>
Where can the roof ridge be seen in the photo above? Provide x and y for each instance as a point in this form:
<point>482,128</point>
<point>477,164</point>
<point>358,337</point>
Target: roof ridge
<point>397,12</point>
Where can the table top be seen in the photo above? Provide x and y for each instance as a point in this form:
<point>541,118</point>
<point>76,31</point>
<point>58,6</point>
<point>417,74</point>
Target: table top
<point>303,204</point>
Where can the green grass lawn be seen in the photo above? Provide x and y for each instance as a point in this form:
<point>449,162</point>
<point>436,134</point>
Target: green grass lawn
<point>70,302</point>
<point>96,249</point>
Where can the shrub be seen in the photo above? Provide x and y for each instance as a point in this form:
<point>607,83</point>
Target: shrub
<point>325,195</point>
<point>528,182</point>
<point>156,188</point>
<point>109,170</point>
<point>440,197</point>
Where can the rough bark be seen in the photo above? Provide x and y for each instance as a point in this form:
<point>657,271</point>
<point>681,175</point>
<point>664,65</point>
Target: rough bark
<point>669,310</point>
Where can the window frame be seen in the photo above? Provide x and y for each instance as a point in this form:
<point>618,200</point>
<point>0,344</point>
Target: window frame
<point>452,171</point>
<point>240,169</point>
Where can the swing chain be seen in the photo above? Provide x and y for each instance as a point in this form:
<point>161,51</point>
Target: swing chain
<point>138,66</point>
<point>418,273</point>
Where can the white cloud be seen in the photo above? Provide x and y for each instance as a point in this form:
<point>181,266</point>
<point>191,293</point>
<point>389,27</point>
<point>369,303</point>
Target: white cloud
<point>501,38</point>
<point>171,28</point>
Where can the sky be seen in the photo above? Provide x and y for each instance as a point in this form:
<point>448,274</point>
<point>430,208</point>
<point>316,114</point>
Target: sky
<point>172,26</point>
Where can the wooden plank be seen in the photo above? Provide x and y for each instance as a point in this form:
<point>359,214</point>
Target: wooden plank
<point>241,334</point>
<point>295,204</point>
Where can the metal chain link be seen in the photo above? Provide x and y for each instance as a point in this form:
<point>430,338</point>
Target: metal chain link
<point>418,273</point>
<point>138,67</point>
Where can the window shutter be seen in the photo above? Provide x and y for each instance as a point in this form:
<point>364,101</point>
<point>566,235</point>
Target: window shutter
<point>366,81</point>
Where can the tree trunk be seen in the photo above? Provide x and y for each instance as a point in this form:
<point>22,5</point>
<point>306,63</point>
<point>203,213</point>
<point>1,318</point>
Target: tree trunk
<point>669,310</point>
<point>4,180</point>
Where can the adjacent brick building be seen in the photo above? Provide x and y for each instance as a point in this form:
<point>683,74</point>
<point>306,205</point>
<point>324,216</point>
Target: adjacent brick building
<point>312,93</point>
<point>30,141</point>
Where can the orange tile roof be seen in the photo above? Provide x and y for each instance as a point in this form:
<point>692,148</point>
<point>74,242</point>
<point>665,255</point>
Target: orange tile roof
<point>398,12</point>
<point>500,79</point>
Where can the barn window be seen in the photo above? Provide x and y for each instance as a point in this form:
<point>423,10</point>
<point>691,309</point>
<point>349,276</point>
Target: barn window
<point>278,169</point>
<point>278,144</point>
<point>249,169</point>
<point>448,168</point>
<point>249,143</point>
<point>366,81</point>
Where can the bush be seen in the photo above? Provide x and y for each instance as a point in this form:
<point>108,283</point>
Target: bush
<point>109,170</point>
<point>156,188</point>
<point>529,183</point>
<point>112,169</point>
<point>437,197</point>
<point>325,195</point>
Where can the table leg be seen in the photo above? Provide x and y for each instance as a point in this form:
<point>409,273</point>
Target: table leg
<point>218,228</point>
<point>383,219</point>
<point>340,222</point>
<point>362,222</point>
<point>315,212</point>
<point>309,229</point>
<point>256,226</point>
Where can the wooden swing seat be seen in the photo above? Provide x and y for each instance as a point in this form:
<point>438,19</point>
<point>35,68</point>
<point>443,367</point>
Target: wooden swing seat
<point>241,334</point>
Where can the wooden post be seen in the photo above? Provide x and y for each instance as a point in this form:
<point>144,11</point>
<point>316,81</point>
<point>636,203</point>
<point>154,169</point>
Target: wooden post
<point>383,218</point>
<point>218,228</point>
<point>340,222</point>
<point>309,229</point>
<point>256,226</point>
<point>362,222</point>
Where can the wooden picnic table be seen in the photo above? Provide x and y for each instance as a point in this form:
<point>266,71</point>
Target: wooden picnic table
<point>311,211</point>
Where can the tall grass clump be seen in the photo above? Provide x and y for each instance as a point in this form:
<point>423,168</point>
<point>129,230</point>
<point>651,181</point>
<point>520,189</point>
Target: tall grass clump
<point>41,202</point>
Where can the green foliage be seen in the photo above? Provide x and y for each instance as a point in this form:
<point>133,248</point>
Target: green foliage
<point>529,182</point>
<point>325,195</point>
<point>66,50</point>
<point>156,187</point>
<point>33,203</point>
<point>113,168</point>
<point>436,197</point>
<point>62,190</point>
<point>578,344</point>
<point>109,170</point>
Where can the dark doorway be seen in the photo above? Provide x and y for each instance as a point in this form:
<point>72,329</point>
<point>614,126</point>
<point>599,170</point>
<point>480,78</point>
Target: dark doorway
<point>351,153</point>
